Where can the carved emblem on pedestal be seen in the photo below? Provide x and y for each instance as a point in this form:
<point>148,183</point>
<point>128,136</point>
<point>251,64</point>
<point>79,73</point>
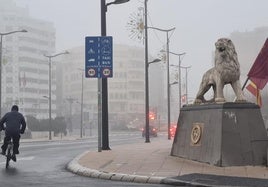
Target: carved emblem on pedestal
<point>196,134</point>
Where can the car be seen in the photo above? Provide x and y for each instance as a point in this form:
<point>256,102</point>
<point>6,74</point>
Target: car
<point>152,131</point>
<point>172,130</point>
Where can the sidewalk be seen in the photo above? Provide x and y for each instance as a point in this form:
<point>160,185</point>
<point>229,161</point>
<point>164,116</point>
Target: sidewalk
<point>151,163</point>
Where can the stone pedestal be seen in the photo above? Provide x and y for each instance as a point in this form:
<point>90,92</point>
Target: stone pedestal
<point>228,134</point>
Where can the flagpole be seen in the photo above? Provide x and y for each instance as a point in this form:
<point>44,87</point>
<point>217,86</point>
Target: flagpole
<point>245,83</point>
<point>257,96</point>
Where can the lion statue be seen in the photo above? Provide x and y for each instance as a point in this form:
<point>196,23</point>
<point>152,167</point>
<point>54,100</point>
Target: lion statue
<point>226,71</point>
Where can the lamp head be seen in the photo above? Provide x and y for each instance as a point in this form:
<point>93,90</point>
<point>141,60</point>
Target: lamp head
<point>120,1</point>
<point>156,60</point>
<point>116,2</point>
<point>176,82</point>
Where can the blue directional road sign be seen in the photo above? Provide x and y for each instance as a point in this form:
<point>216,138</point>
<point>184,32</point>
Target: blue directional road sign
<point>99,57</point>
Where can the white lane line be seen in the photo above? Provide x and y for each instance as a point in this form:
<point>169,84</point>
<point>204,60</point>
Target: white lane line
<point>26,158</point>
<point>20,159</point>
<point>54,144</point>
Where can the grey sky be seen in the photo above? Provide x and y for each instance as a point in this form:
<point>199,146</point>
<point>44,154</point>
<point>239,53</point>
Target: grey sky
<point>199,23</point>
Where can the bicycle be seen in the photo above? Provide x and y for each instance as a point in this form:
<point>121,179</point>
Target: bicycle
<point>9,153</point>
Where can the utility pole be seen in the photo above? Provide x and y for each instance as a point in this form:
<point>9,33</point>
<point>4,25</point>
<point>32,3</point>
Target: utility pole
<point>104,84</point>
<point>70,100</point>
<point>104,81</point>
<point>186,82</point>
<point>49,87</point>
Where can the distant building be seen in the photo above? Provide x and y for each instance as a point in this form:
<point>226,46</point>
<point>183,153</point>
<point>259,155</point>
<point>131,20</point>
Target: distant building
<point>24,68</point>
<point>248,45</point>
<point>25,76</point>
<point>125,88</point>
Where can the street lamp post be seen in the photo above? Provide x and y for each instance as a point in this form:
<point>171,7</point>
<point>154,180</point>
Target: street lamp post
<point>82,103</point>
<point>1,52</point>
<point>186,81</point>
<point>49,63</point>
<point>70,101</point>
<point>168,87</point>
<point>147,136</point>
<point>155,61</point>
<point>103,83</point>
<point>175,82</point>
<point>168,84</point>
<point>179,54</point>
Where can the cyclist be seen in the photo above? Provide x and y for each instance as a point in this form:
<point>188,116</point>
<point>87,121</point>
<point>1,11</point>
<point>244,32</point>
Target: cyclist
<point>14,126</point>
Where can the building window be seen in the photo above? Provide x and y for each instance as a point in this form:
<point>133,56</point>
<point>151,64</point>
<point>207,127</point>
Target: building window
<point>9,90</point>
<point>9,69</point>
<point>9,80</point>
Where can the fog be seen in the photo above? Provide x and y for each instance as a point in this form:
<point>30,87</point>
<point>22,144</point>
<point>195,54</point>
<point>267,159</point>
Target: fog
<point>198,25</point>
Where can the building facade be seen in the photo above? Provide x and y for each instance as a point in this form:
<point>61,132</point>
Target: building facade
<point>125,88</point>
<point>25,70</point>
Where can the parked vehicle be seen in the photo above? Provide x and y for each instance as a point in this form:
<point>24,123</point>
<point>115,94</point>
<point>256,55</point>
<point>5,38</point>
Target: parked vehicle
<point>172,130</point>
<point>152,131</point>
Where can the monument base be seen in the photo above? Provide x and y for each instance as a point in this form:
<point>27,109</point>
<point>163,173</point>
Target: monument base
<point>228,134</point>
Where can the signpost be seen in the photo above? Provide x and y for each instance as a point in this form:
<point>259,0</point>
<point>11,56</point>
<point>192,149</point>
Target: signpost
<point>99,64</point>
<point>99,57</point>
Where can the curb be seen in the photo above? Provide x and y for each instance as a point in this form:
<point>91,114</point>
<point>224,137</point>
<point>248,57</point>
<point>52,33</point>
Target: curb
<point>76,168</point>
<point>176,182</point>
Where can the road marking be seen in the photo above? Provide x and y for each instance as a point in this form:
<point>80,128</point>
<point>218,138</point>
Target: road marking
<point>20,159</point>
<point>82,141</point>
<point>26,158</point>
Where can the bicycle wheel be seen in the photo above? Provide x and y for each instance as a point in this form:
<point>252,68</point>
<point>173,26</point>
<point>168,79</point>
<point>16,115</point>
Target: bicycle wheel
<point>8,156</point>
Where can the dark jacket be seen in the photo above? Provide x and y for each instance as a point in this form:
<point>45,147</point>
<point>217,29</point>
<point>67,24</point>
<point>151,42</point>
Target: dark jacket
<point>15,123</point>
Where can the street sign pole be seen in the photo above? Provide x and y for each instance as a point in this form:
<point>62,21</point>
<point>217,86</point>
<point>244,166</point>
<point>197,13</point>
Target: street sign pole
<point>99,57</point>
<point>99,115</point>
<point>105,121</point>
<point>99,64</point>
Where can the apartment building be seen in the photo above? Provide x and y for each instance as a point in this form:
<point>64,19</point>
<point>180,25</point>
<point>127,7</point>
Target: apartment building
<point>125,88</point>
<point>25,70</point>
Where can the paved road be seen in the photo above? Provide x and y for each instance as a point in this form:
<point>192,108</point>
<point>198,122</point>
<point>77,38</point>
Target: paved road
<point>43,164</point>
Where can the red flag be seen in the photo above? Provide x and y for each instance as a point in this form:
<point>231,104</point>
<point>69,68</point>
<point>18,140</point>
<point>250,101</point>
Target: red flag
<point>252,88</point>
<point>259,71</point>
